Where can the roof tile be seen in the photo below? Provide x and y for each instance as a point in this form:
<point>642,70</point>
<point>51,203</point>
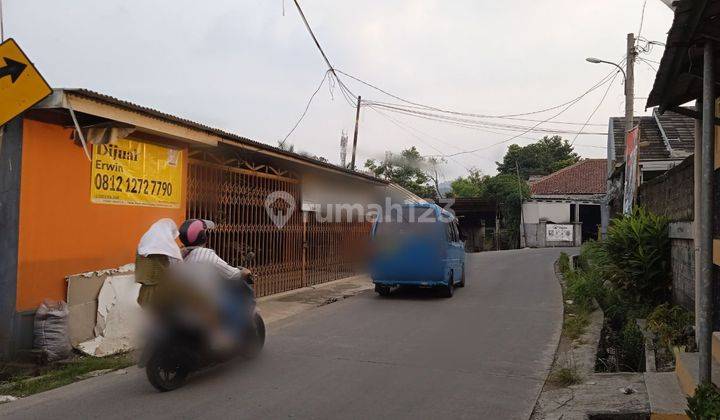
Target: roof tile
<point>588,176</point>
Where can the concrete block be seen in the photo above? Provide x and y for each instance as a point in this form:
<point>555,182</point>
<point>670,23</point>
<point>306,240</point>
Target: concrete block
<point>667,400</point>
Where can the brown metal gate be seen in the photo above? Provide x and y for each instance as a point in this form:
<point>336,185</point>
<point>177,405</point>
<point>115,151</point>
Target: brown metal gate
<point>305,251</point>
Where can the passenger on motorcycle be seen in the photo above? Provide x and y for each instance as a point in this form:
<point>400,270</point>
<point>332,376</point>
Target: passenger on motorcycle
<point>156,251</point>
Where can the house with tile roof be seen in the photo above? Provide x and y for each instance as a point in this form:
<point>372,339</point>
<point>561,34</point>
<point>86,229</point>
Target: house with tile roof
<point>565,207</point>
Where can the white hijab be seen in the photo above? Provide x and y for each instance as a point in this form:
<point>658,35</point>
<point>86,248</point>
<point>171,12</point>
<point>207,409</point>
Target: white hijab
<point>160,239</point>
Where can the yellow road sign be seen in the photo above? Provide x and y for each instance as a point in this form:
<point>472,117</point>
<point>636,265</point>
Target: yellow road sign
<point>21,86</point>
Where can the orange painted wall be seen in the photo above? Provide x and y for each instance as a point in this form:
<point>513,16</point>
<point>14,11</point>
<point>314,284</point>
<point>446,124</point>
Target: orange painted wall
<point>61,231</point>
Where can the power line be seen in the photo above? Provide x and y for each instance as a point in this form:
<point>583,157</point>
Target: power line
<point>592,114</point>
<point>642,20</point>
<point>307,107</point>
<point>548,119</point>
<point>446,111</point>
<point>647,63</point>
<point>465,122</point>
<point>343,89</point>
<point>421,140</point>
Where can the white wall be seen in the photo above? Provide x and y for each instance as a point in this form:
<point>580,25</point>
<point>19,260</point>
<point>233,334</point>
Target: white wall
<point>553,212</point>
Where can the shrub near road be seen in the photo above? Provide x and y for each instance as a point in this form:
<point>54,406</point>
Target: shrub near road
<point>628,274</point>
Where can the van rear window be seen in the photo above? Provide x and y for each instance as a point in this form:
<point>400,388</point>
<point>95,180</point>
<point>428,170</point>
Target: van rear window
<point>408,221</point>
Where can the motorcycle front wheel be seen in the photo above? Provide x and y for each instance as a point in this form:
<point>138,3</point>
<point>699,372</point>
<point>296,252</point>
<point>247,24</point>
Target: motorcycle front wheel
<point>255,338</point>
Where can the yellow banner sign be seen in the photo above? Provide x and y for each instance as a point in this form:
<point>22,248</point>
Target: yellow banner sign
<point>135,173</point>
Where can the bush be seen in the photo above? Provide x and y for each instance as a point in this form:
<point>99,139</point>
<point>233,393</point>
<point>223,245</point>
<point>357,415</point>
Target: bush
<point>632,347</point>
<point>583,287</point>
<point>705,404</point>
<point>636,257</point>
<point>671,324</point>
<point>564,263</point>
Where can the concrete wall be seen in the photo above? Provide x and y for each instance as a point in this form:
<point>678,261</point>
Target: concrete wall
<point>682,261</point>
<point>672,195</point>
<point>533,212</point>
<point>536,236</point>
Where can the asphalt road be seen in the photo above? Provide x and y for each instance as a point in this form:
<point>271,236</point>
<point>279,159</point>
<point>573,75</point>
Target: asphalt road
<point>482,354</point>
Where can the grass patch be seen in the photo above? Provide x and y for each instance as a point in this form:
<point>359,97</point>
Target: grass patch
<point>62,374</point>
<point>565,377</point>
<point>575,324</point>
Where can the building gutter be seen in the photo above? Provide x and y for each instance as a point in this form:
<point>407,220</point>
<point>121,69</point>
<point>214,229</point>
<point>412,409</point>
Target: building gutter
<point>63,99</point>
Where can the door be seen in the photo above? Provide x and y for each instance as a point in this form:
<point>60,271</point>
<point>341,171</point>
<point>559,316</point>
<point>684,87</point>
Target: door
<point>455,251</point>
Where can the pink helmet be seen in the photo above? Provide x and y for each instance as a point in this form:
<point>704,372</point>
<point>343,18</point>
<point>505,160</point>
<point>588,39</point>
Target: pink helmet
<point>193,232</point>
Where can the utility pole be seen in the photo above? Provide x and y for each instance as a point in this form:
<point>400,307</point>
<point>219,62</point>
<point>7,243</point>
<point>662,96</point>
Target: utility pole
<point>629,84</point>
<point>357,125</point>
<point>343,149</point>
<point>523,236</point>
<point>705,294</point>
<point>2,23</point>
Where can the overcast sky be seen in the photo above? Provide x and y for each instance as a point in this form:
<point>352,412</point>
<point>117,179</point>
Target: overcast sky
<point>245,67</point>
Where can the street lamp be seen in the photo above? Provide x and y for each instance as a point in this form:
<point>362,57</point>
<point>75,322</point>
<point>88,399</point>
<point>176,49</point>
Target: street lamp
<point>598,61</point>
<point>629,81</point>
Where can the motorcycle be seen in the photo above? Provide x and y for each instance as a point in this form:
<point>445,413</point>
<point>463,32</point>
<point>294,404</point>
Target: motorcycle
<point>179,344</point>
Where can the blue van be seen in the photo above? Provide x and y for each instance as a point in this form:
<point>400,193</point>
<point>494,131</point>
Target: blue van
<point>417,245</point>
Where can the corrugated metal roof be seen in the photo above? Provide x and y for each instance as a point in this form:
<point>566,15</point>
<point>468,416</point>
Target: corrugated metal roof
<point>679,129</point>
<point>100,97</point>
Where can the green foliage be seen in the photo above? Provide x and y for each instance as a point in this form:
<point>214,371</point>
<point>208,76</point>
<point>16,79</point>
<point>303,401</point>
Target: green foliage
<point>584,287</point>
<point>565,377</point>
<point>636,257</point>
<point>24,385</point>
<point>409,170</point>
<point>469,186</point>
<point>670,324</point>
<point>632,346</point>
<point>509,192</point>
<point>505,189</point>
<point>575,324</point>
<point>544,157</point>
<point>705,404</point>
<point>564,263</point>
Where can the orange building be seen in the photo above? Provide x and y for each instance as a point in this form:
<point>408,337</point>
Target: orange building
<point>72,203</point>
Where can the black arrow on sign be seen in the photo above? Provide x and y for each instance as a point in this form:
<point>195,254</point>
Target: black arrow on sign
<point>12,68</point>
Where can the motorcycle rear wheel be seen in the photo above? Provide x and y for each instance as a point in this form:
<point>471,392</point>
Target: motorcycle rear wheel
<point>167,372</point>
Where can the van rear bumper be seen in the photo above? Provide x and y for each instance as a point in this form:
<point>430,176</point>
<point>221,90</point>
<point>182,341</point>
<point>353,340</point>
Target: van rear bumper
<point>410,282</point>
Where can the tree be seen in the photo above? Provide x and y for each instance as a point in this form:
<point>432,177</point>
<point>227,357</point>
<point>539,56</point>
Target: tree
<point>289,147</point>
<point>507,190</point>
<point>407,170</point>
<point>470,186</point>
<point>544,157</point>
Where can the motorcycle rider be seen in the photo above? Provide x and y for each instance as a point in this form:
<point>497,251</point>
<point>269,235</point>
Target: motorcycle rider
<point>194,235</point>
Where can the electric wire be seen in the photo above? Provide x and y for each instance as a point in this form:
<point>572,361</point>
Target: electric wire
<point>307,107</point>
<point>592,114</point>
<point>422,141</point>
<point>437,109</point>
